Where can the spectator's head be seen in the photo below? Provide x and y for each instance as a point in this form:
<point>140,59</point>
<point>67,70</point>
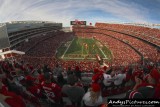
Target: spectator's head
<point>96,70</point>
<point>60,78</point>
<point>150,66</point>
<point>72,79</point>
<point>130,71</point>
<point>69,68</point>
<point>137,76</point>
<point>109,71</point>
<point>154,77</point>
<point>76,68</point>
<point>113,73</point>
<point>47,76</point>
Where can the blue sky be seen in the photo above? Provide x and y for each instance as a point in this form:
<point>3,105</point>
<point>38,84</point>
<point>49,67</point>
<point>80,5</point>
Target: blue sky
<point>134,11</point>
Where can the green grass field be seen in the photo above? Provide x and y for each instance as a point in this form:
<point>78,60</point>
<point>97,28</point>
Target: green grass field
<point>83,48</point>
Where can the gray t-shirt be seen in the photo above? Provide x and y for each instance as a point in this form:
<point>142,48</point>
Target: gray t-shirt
<point>75,93</point>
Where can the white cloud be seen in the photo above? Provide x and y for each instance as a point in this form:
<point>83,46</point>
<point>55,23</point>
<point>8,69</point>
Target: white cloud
<point>66,10</point>
<point>131,12</point>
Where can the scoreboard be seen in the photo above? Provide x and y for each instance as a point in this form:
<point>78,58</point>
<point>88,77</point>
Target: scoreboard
<point>78,22</point>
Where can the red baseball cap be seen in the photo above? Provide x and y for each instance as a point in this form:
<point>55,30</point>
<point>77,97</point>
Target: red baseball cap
<point>96,70</point>
<point>96,87</point>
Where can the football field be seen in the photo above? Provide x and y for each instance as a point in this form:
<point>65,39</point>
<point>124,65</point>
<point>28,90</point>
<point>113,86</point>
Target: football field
<point>83,48</point>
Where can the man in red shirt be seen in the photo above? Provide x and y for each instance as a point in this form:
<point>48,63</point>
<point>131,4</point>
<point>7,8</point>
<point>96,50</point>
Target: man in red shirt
<point>52,90</point>
<point>97,77</point>
<point>33,89</point>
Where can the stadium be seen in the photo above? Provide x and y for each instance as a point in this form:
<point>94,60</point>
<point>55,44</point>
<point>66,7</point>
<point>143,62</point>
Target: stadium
<point>45,64</point>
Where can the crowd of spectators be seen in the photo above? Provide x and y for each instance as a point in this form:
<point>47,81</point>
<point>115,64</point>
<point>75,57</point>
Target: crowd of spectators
<point>86,66</point>
<point>150,34</point>
<point>44,45</point>
<point>43,86</point>
<point>34,85</point>
<point>26,45</point>
<point>147,50</point>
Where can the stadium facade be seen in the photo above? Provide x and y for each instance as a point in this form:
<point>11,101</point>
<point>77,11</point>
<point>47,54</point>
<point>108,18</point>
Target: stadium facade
<point>12,34</point>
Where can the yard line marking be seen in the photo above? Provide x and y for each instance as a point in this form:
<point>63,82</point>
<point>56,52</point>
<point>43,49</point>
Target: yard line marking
<point>67,49</point>
<point>103,53</point>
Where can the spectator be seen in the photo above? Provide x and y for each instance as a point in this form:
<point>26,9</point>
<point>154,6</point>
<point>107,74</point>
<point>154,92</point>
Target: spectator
<point>77,72</point>
<point>40,76</point>
<point>52,90</point>
<point>69,72</point>
<point>61,81</point>
<point>98,76</point>
<point>75,93</point>
<point>58,70</point>
<point>119,78</point>
<point>93,97</point>
<point>107,80</point>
